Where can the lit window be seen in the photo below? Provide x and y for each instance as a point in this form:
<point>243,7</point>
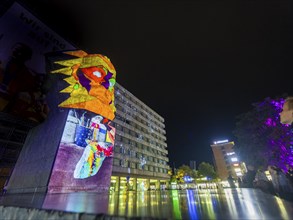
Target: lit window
<point>230,153</point>
<point>234,159</point>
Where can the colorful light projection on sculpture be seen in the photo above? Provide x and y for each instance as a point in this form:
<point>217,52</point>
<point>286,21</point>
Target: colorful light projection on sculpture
<point>91,83</point>
<point>88,137</point>
<point>89,132</point>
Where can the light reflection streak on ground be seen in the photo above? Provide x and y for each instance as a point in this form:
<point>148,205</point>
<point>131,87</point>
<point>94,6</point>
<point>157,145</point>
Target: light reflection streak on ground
<point>191,205</point>
<point>72,205</point>
<point>175,202</point>
<point>169,204</point>
<point>215,202</point>
<point>130,204</point>
<point>206,203</point>
<point>122,200</point>
<point>247,204</point>
<point>155,204</point>
<point>283,211</point>
<point>231,203</point>
<point>201,204</point>
<point>143,203</point>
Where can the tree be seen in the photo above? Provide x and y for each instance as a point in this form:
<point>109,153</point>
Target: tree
<point>208,170</point>
<point>261,139</point>
<point>182,171</point>
<point>172,176</point>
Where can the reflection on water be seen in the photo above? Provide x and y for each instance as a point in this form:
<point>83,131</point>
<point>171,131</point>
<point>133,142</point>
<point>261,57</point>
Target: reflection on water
<point>176,206</point>
<point>170,204</point>
<point>284,213</point>
<point>191,205</point>
<point>201,204</point>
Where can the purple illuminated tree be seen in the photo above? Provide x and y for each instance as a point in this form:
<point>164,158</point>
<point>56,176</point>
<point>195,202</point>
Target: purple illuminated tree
<point>261,139</point>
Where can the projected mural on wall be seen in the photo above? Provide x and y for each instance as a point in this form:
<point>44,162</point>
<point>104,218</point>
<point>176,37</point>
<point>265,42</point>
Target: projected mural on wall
<point>84,157</point>
<point>89,131</point>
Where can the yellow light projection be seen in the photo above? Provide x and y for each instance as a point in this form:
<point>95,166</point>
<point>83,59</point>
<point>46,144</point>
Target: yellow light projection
<point>91,83</point>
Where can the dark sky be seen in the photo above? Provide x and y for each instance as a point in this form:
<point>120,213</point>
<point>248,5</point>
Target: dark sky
<point>196,63</point>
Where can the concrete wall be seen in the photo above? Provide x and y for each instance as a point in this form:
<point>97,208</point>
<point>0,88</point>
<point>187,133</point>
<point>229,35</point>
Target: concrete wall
<point>33,168</point>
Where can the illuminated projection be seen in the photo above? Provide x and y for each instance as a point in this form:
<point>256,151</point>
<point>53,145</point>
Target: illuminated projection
<point>84,158</point>
<point>91,83</point>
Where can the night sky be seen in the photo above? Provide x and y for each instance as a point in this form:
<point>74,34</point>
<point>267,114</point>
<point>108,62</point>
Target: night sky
<point>196,63</point>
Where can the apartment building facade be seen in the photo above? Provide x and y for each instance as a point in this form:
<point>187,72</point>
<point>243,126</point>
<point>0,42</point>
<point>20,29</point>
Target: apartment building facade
<point>226,160</point>
<point>140,155</point>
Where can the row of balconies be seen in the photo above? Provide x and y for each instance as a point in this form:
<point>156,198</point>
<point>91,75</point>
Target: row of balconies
<point>127,93</point>
<point>132,127</point>
<point>146,173</point>
<point>135,111</point>
<point>128,117</point>
<point>148,153</point>
<point>121,133</point>
<point>137,130</point>
<point>136,160</point>
<point>146,134</point>
<point>165,158</point>
<point>134,122</point>
<point>123,124</point>
<point>160,125</point>
<point>160,131</point>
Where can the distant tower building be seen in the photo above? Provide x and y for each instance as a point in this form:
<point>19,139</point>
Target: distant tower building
<point>192,164</point>
<point>226,160</point>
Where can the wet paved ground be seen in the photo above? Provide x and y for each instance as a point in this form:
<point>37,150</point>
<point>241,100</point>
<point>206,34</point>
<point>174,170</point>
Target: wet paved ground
<point>170,204</point>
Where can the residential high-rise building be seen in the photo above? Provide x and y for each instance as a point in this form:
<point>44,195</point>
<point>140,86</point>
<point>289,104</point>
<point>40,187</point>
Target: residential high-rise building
<point>226,161</point>
<point>140,154</point>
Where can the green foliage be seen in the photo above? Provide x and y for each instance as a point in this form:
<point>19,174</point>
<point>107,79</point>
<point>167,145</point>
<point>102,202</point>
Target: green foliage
<point>251,140</point>
<point>184,170</point>
<point>208,170</point>
<point>173,179</point>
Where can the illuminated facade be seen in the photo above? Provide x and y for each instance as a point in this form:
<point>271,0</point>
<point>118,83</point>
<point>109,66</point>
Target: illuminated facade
<point>140,156</point>
<point>140,151</point>
<point>226,160</point>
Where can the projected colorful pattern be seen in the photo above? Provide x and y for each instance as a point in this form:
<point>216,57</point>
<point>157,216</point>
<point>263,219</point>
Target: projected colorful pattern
<point>88,137</point>
<point>97,137</point>
<point>91,83</point>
